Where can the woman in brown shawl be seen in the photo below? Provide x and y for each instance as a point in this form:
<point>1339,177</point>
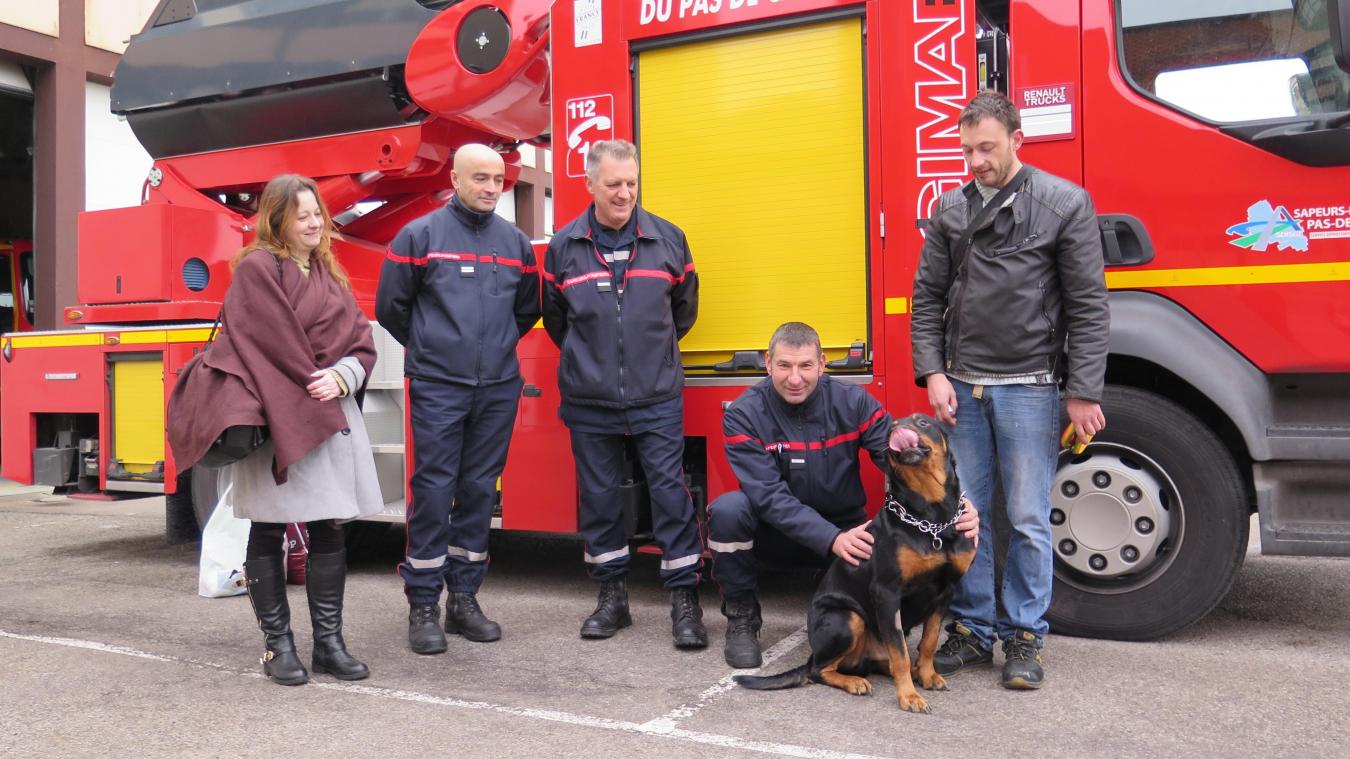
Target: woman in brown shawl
<point>293,353</point>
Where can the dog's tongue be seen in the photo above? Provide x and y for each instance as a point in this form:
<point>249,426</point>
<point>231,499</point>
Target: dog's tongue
<point>902,438</point>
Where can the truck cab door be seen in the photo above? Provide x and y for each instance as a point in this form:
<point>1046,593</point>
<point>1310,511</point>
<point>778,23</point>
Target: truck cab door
<point>1222,129</point>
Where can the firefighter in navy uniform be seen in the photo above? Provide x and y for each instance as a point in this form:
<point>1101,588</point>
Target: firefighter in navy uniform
<point>459,288</point>
<point>793,442</point>
<point>619,292</point>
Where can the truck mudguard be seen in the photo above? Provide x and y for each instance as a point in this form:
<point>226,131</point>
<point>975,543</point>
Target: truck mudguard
<point>1153,328</point>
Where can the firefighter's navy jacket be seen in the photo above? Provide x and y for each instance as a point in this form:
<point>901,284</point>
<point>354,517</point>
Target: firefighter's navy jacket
<point>459,288</point>
<point>620,340</point>
<point>798,463</point>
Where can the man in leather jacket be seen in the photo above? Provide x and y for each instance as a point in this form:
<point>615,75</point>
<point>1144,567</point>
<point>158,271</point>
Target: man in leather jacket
<point>996,325</point>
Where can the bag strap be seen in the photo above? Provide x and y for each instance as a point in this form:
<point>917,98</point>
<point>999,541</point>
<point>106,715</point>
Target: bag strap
<point>962,250</point>
<point>211,338</point>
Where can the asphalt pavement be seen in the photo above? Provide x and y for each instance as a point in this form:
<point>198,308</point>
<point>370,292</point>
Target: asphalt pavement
<point>107,651</point>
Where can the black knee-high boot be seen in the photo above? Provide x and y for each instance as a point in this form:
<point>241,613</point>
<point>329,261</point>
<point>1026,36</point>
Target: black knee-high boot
<point>266,577</point>
<point>325,581</point>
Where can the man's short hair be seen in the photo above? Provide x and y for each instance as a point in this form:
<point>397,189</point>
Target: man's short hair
<point>992,105</point>
<point>619,150</point>
<point>795,335</point>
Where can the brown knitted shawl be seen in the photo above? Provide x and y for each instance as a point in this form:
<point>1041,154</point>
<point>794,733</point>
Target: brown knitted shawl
<point>277,328</point>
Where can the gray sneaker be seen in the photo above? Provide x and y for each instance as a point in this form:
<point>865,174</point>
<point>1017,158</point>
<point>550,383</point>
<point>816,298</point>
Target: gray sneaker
<point>960,651</point>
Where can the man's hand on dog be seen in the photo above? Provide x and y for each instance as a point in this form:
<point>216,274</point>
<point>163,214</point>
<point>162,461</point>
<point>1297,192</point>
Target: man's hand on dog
<point>969,523</point>
<point>853,546</point>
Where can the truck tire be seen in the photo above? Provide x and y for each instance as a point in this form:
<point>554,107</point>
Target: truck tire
<point>1150,523</point>
<point>180,520</point>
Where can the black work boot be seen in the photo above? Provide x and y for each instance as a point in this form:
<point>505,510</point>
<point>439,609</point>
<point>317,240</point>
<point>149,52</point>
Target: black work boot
<point>326,578</point>
<point>743,623</point>
<point>686,618</point>
<point>424,629</point>
<point>611,612</point>
<point>1022,662</point>
<point>961,650</point>
<point>463,616</point>
<point>267,592</point>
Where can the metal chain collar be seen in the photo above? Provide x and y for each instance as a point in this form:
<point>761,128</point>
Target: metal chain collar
<point>924,525</point>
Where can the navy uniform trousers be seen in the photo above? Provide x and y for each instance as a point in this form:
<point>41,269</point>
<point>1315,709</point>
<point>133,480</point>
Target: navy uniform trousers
<point>460,439</point>
<point>742,543</point>
<point>660,449</point>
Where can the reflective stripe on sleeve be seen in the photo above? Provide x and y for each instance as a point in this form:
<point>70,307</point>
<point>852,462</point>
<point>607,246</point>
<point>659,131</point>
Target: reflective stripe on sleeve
<point>681,562</point>
<point>464,553</point>
<point>605,557</point>
<point>745,545</point>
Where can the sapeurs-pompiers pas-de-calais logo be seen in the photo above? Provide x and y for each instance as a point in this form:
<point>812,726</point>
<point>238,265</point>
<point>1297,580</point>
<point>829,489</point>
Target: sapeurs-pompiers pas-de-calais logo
<point>1267,225</point>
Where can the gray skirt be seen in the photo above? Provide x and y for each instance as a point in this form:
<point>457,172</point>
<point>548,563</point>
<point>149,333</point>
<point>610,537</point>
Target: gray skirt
<point>336,480</point>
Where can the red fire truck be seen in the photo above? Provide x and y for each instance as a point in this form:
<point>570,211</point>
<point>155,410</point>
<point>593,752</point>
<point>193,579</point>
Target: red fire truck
<point>801,144</point>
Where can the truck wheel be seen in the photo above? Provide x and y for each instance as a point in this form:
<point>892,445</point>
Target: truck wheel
<point>180,521</point>
<point>1149,523</point>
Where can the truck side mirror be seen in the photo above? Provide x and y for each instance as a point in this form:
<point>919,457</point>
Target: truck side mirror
<point>1338,22</point>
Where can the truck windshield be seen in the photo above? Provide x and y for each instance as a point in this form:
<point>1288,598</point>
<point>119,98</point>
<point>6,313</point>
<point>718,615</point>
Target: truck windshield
<point>1230,61</point>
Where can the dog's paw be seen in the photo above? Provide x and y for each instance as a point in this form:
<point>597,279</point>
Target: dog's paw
<point>913,702</point>
<point>935,682</point>
<point>858,686</point>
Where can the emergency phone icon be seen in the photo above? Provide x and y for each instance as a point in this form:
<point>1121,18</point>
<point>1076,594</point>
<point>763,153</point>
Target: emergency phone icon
<point>588,120</point>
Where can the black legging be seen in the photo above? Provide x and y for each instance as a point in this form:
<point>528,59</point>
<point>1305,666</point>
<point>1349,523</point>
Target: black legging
<point>267,539</point>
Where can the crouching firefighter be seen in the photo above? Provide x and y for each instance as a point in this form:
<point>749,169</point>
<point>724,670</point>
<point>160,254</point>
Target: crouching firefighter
<point>793,442</point>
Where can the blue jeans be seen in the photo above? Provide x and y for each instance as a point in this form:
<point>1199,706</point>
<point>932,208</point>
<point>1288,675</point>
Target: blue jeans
<point>1011,431</point>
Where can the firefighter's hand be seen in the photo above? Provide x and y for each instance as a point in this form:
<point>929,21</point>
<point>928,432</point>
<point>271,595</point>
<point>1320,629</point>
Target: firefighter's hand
<point>943,397</point>
<point>853,546</point>
<point>969,523</point>
<point>1087,418</point>
<point>325,388</point>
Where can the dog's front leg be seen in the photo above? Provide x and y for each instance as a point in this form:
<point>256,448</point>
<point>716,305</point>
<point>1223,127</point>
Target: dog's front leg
<point>891,627</point>
<point>924,670</point>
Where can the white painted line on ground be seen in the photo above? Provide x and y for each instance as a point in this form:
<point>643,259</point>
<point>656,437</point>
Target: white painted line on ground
<point>668,722</point>
<point>654,728</point>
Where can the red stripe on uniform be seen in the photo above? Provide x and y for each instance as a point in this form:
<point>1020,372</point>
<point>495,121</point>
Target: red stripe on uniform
<point>548,276</point>
<point>396,258</point>
<point>566,283</point>
<point>854,435</point>
<point>654,274</point>
<point>734,439</point>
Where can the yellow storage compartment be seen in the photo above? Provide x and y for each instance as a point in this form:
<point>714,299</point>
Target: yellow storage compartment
<point>138,413</point>
<point>754,145</point>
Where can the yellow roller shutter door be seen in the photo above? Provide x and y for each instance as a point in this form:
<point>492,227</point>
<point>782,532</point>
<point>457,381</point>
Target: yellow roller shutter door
<point>138,413</point>
<point>754,145</point>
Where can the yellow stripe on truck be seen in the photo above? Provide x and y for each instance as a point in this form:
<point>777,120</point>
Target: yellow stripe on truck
<point>90,337</point>
<point>56,341</point>
<point>1229,275</point>
<point>753,145</point>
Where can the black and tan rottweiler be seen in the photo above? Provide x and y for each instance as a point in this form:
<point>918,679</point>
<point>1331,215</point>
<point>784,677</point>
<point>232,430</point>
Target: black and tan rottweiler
<point>860,615</point>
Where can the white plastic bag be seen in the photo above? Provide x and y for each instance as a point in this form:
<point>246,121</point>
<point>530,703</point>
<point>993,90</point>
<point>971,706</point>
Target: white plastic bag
<point>221,569</point>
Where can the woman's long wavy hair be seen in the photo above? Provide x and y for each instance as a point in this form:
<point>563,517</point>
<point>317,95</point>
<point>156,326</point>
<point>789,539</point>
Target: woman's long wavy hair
<point>276,213</point>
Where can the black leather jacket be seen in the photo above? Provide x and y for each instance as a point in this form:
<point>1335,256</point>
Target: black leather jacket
<point>1033,283</point>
